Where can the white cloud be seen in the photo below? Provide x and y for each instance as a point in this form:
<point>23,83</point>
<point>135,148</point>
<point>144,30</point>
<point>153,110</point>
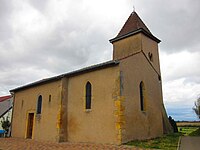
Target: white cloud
<point>181,78</point>
<point>180,92</point>
<point>182,64</point>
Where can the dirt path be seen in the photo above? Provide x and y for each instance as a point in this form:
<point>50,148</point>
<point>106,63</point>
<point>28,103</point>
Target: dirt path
<point>25,144</point>
<point>190,143</point>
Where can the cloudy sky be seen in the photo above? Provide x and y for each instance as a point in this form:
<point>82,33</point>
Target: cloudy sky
<point>40,39</point>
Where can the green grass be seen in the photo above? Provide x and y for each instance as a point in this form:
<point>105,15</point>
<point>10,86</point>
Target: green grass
<point>195,133</point>
<point>189,131</point>
<point>167,142</point>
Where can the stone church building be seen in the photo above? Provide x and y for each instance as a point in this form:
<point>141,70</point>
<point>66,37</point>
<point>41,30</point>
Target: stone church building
<point>112,102</point>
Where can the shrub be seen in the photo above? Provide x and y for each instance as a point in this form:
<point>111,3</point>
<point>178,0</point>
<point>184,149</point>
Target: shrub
<point>173,124</point>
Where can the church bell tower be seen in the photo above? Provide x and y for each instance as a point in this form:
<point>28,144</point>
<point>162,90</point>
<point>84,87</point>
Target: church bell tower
<point>133,38</point>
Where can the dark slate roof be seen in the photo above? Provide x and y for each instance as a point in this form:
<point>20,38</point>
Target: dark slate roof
<point>133,26</point>
<point>69,74</point>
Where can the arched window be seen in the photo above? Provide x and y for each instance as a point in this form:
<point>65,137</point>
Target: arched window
<point>39,105</point>
<point>88,95</point>
<point>142,96</point>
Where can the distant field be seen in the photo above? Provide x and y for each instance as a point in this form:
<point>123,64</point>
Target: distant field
<point>188,124</point>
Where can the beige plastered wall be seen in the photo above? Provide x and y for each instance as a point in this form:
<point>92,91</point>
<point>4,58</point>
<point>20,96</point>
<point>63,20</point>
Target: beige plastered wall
<point>136,66</point>
<point>134,44</point>
<point>127,46</point>
<point>45,125</point>
<point>141,124</point>
<point>97,125</point>
<point>150,46</point>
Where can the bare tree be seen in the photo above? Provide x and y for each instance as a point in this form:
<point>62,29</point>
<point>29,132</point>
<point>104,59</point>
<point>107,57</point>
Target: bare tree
<point>196,107</point>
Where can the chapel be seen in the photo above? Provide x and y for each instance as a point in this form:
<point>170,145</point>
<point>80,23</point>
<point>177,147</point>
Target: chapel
<point>112,102</point>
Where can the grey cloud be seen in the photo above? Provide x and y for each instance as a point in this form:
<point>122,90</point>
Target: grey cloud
<point>62,49</point>
<point>38,4</point>
<point>20,76</point>
<point>5,13</point>
<point>195,79</point>
<point>67,46</point>
<point>176,23</point>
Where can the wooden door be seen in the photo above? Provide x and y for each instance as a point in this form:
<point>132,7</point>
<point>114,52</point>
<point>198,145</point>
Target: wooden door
<point>30,125</point>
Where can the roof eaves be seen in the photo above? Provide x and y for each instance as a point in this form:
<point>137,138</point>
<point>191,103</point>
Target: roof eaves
<point>70,74</point>
<point>133,33</point>
<point>36,83</point>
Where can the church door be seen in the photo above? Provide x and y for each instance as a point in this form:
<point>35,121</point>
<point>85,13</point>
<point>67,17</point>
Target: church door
<point>30,125</point>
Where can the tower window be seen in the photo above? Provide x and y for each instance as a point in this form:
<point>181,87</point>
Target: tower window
<point>88,96</point>
<point>150,55</point>
<point>142,96</point>
<point>39,105</point>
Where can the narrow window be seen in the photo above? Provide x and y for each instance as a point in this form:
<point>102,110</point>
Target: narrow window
<point>22,104</point>
<point>39,105</point>
<point>142,98</point>
<point>159,77</point>
<point>88,95</point>
<point>49,98</point>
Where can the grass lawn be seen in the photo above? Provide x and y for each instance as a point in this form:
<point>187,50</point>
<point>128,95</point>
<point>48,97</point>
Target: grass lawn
<point>195,133</point>
<point>189,131</point>
<point>167,142</point>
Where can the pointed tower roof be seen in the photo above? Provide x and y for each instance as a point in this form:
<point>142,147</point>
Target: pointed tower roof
<point>133,23</point>
<point>133,26</point>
